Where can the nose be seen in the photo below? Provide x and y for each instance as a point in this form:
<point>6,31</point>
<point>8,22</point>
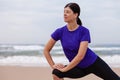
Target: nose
<point>65,14</point>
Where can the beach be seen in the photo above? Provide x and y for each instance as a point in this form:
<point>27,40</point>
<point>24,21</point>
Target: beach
<point>37,73</point>
<point>27,62</point>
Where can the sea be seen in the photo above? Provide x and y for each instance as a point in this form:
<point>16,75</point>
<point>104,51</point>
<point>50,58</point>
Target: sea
<point>32,54</point>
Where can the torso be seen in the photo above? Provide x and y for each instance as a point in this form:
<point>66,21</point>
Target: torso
<point>70,41</point>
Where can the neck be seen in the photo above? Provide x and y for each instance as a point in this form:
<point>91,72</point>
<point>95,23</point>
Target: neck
<point>72,26</point>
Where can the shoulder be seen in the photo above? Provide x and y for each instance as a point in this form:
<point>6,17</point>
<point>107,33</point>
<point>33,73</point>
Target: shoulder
<point>60,29</point>
<point>83,28</point>
<point>56,35</point>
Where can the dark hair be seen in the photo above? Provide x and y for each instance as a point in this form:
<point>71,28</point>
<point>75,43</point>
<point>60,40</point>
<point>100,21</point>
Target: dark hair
<point>76,9</point>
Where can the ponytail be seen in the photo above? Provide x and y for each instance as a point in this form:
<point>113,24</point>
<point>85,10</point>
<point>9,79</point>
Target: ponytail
<point>79,22</point>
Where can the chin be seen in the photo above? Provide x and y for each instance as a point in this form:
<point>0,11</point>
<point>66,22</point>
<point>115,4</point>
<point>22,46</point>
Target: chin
<point>66,21</point>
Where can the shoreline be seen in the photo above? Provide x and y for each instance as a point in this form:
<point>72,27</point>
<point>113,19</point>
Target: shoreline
<point>37,73</point>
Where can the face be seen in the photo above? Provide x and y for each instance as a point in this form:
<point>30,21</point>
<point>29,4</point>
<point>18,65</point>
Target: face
<point>69,15</point>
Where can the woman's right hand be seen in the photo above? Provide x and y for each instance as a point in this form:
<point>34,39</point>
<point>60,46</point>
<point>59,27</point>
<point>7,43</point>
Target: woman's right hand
<point>58,66</point>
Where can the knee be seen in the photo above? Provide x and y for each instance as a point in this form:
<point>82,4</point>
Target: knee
<point>57,73</point>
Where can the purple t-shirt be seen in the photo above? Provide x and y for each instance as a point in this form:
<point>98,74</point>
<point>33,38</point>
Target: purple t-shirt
<point>70,41</point>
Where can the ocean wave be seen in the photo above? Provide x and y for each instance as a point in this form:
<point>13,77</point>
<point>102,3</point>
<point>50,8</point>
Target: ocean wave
<point>56,47</point>
<point>34,50</point>
<point>113,61</point>
<point>28,47</point>
<point>105,48</point>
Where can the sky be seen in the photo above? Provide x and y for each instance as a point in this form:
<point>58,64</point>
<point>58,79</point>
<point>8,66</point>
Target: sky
<point>33,21</point>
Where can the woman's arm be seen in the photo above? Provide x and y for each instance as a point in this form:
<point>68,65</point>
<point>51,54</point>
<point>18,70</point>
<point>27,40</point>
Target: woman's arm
<point>47,50</point>
<point>81,53</point>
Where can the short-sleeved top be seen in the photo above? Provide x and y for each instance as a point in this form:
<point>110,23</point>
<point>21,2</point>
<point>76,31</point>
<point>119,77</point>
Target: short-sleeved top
<point>70,41</point>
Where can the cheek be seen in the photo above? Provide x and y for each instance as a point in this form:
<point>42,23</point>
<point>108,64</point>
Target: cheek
<point>68,17</point>
<point>71,17</point>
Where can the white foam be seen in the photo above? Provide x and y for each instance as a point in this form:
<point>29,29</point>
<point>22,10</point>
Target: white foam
<point>30,47</point>
<point>105,48</point>
<point>113,60</point>
<point>22,60</point>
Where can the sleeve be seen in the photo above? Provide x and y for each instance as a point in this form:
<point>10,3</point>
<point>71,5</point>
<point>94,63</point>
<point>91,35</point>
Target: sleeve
<point>86,35</point>
<point>56,35</point>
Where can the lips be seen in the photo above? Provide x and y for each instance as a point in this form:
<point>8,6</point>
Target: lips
<point>65,17</point>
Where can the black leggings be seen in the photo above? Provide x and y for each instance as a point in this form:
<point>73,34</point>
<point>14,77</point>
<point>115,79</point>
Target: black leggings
<point>99,68</point>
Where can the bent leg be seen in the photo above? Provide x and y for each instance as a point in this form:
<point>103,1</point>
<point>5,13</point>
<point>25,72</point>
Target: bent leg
<point>73,73</point>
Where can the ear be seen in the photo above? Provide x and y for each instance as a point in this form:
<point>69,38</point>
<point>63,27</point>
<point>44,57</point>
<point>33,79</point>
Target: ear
<point>76,15</point>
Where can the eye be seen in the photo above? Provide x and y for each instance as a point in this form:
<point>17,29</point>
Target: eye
<point>67,11</point>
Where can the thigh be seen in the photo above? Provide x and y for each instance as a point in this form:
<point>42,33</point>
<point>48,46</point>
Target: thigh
<point>73,73</point>
<point>102,70</point>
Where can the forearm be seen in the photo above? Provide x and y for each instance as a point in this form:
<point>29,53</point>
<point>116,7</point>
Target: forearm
<point>49,58</point>
<point>51,62</point>
<point>77,59</point>
<point>47,50</point>
<point>73,63</point>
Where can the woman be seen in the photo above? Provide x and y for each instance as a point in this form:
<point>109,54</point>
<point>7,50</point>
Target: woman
<point>74,40</point>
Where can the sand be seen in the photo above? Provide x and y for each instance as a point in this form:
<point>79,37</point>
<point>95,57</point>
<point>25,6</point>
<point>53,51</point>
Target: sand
<point>36,73</point>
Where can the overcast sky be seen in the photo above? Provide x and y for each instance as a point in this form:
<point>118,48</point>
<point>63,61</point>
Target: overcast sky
<point>33,21</point>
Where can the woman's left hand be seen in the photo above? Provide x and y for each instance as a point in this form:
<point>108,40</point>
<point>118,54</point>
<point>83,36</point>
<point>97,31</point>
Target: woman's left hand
<point>63,69</point>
